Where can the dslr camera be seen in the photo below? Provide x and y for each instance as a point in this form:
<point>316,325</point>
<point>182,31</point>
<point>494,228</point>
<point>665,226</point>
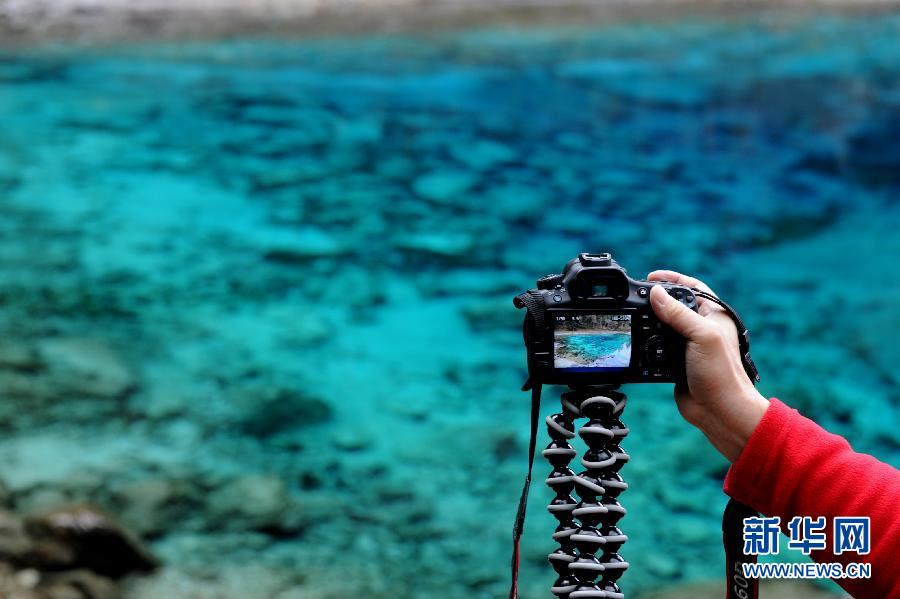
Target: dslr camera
<point>593,324</point>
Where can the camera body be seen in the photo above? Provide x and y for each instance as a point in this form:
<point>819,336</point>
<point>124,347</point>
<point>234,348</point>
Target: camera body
<point>593,324</point>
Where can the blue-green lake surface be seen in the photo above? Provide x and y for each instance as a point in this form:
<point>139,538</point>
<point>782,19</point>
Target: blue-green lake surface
<point>597,350</point>
<point>255,295</point>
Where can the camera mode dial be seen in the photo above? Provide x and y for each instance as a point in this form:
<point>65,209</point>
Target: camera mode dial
<point>655,350</point>
<point>549,281</point>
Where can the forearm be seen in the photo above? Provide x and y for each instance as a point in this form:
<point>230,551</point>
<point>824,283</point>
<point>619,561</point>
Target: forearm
<point>729,429</point>
<point>792,467</point>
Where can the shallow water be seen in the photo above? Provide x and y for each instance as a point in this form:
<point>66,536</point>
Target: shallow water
<point>257,293</point>
<point>598,350</point>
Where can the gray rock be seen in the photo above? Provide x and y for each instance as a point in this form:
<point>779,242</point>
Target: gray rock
<point>78,584</point>
<point>82,536</point>
<point>4,494</point>
<point>14,543</point>
<point>18,585</point>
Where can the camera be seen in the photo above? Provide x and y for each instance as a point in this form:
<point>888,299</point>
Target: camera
<point>593,324</point>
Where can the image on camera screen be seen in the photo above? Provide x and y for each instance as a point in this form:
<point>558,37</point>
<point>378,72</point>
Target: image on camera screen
<point>592,342</point>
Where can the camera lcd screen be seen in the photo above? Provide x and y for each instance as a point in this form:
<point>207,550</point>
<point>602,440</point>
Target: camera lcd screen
<point>592,342</point>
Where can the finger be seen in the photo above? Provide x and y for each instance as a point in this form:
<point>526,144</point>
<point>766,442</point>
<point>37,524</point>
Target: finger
<point>706,307</point>
<point>680,279</point>
<point>678,316</point>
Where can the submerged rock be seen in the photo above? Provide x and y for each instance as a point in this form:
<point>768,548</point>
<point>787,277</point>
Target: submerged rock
<point>299,247</point>
<point>446,244</point>
<point>443,185</point>
<point>86,366</point>
<point>352,438</point>
<point>250,502</point>
<point>517,202</point>
<point>289,156</point>
<point>77,584</point>
<point>873,152</point>
<point>14,543</point>
<point>281,411</point>
<point>18,356</point>
<point>152,505</point>
<point>82,536</point>
<point>482,154</point>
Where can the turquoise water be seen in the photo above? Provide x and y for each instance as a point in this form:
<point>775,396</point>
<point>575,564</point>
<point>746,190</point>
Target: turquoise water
<point>604,350</point>
<point>255,295</point>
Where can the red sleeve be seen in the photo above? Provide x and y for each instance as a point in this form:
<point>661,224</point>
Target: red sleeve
<point>793,467</point>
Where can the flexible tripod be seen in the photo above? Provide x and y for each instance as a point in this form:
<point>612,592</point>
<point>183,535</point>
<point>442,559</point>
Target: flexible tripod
<point>589,526</point>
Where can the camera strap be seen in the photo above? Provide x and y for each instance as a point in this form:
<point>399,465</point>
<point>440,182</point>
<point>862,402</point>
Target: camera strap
<point>743,334</point>
<point>519,525</point>
<point>738,586</point>
<point>534,304</point>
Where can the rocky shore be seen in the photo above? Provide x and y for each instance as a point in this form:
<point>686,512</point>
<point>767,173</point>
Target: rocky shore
<point>93,21</point>
<point>71,552</point>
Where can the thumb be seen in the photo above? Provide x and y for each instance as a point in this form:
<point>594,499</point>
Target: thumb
<point>678,316</point>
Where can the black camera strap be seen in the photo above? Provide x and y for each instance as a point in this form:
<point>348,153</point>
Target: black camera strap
<point>739,587</point>
<point>519,525</point>
<point>534,304</point>
<point>743,334</point>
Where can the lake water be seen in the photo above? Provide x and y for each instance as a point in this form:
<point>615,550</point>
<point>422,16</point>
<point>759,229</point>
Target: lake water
<point>258,293</point>
<point>604,350</point>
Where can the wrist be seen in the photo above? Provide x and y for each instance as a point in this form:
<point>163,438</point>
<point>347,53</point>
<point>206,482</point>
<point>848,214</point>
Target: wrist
<point>731,426</point>
<point>749,410</point>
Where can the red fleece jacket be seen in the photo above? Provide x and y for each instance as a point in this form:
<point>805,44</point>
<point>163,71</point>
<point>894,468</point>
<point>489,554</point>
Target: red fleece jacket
<point>792,467</point>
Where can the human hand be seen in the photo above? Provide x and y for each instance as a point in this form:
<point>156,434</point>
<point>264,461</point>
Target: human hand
<point>719,398</point>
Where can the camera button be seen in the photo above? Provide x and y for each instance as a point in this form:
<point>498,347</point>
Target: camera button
<point>655,349</point>
<point>557,297</point>
<point>643,291</point>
